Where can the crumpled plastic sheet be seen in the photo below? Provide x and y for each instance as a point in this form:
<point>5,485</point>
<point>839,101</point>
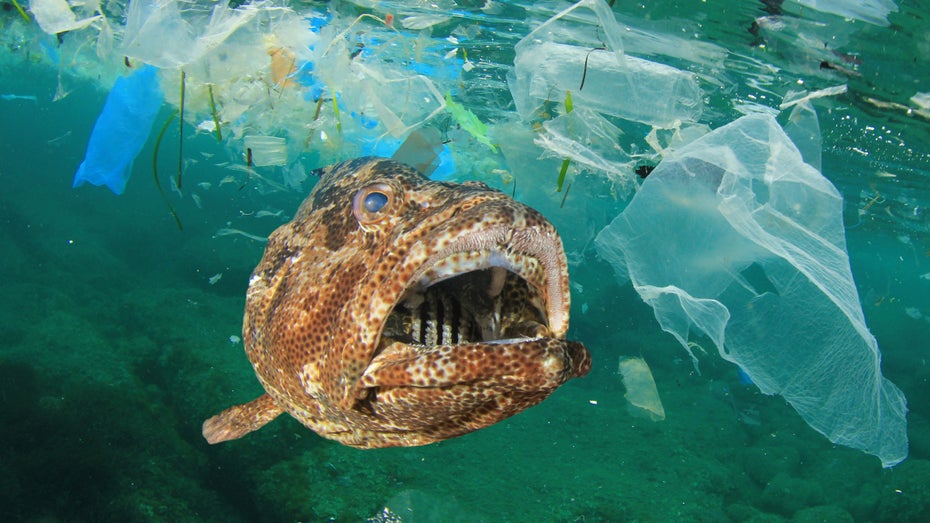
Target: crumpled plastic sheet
<point>590,141</point>
<point>160,33</point>
<point>121,130</point>
<point>735,238</point>
<point>56,16</point>
<point>872,11</point>
<point>582,45</point>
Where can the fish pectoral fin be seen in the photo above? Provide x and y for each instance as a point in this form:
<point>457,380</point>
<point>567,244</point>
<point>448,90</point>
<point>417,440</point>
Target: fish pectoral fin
<point>237,421</point>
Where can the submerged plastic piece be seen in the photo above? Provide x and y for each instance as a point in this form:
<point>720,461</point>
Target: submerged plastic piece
<point>160,33</point>
<point>744,378</point>
<point>796,97</point>
<point>468,121</point>
<point>803,128</point>
<point>56,16</point>
<point>641,389</point>
<point>267,150</point>
<point>734,237</point>
<point>580,50</point>
<point>871,11</point>
<point>403,102</point>
<point>421,150</point>
<point>590,141</point>
<point>121,130</point>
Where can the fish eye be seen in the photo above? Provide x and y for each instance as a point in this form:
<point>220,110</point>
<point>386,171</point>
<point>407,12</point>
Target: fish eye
<point>375,201</point>
<point>370,202</point>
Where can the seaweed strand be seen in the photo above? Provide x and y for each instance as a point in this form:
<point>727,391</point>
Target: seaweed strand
<point>316,116</point>
<point>161,191</point>
<point>22,12</point>
<point>569,106</point>
<point>216,121</point>
<point>565,196</point>
<point>584,73</point>
<point>181,130</point>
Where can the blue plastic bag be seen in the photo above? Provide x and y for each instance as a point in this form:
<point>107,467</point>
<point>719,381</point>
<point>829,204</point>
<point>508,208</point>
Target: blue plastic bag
<point>121,130</point>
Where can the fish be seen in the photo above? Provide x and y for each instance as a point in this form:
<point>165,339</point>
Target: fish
<point>394,310</point>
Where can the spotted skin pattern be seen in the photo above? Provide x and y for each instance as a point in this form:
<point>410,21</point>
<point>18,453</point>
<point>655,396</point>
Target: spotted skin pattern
<point>318,302</point>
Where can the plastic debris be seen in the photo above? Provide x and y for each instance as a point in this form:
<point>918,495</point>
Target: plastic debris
<point>121,130</point>
<point>160,33</point>
<point>753,256</point>
<point>56,16</point>
<point>267,150</point>
<point>295,175</point>
<point>411,101</point>
<point>420,22</point>
<point>796,97</point>
<point>872,11</point>
<point>421,150</point>
<point>921,100</point>
<point>469,122</point>
<point>803,128</point>
<point>580,50</point>
<point>641,391</point>
<point>589,140</point>
<point>12,97</point>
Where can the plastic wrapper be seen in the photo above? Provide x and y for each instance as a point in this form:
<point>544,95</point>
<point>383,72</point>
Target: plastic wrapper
<point>753,256</point>
<point>121,130</point>
<point>56,16</point>
<point>641,391</point>
<point>872,11</point>
<point>589,141</point>
<point>580,50</point>
<point>160,33</point>
<point>267,150</point>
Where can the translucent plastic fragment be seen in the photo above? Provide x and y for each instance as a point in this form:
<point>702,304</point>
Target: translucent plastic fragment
<point>580,50</point>
<point>56,16</point>
<point>734,237</point>
<point>871,11</point>
<point>420,22</point>
<point>421,150</point>
<point>796,97</point>
<point>803,128</point>
<point>588,139</point>
<point>121,130</point>
<point>295,175</point>
<point>161,33</point>
<point>641,391</point>
<point>402,103</point>
<point>267,150</point>
<point>921,100</point>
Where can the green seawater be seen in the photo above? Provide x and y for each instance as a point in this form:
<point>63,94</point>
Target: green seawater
<point>115,344</point>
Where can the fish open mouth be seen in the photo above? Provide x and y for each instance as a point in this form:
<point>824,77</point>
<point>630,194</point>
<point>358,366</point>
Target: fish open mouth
<point>484,305</point>
<point>483,320</point>
<point>502,285</point>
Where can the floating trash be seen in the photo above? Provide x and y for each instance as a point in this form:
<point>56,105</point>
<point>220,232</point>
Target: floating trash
<point>121,130</point>
<point>753,249</point>
<point>641,391</point>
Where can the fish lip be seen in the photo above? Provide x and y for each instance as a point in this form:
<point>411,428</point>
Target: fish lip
<point>505,247</point>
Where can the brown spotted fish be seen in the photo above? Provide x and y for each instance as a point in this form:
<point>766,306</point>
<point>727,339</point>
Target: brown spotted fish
<point>396,311</point>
